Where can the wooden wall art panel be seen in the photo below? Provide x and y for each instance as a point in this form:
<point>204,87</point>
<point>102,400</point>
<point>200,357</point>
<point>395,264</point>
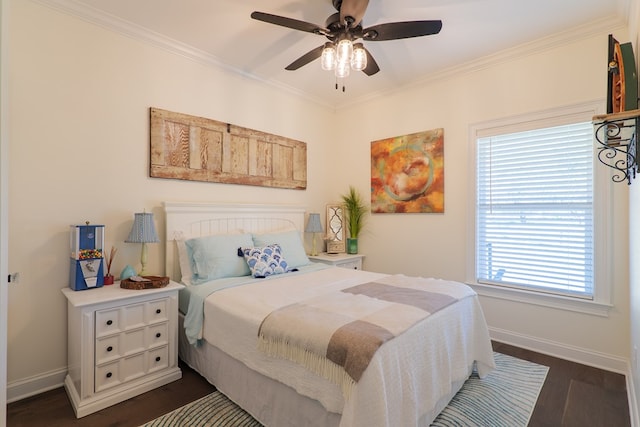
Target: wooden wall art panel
<point>199,149</point>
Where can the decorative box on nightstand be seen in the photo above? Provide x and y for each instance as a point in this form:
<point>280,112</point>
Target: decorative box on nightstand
<point>121,343</point>
<point>339,260</point>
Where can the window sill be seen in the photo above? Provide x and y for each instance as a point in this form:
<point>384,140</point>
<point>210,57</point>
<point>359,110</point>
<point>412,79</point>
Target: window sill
<point>545,300</point>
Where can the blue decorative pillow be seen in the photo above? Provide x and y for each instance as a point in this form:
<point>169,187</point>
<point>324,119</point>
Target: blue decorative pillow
<point>265,261</point>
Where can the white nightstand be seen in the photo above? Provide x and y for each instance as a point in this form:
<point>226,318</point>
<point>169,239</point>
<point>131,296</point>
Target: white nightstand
<point>339,260</point>
<point>121,343</point>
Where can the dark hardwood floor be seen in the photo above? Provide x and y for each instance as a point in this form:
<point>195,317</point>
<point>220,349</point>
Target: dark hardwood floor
<point>573,395</point>
<point>53,408</point>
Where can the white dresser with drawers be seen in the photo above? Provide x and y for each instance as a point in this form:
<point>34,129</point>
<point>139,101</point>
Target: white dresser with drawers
<point>121,343</point>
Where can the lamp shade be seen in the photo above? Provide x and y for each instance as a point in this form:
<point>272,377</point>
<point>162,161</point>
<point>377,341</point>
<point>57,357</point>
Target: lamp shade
<point>313,224</point>
<point>143,230</point>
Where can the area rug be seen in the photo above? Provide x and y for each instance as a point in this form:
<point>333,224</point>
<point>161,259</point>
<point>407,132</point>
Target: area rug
<point>506,397</point>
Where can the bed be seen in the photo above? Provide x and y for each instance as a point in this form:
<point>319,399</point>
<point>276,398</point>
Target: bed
<point>226,316</point>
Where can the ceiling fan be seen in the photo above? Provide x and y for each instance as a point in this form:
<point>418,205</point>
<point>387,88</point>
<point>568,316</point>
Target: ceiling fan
<point>342,29</point>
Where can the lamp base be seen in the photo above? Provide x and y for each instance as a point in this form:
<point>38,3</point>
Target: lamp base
<point>143,261</point>
<point>314,252</point>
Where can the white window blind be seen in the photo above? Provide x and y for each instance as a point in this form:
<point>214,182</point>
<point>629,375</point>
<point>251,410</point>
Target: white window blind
<point>535,210</point>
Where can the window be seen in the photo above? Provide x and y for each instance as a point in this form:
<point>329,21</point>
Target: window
<point>537,224</point>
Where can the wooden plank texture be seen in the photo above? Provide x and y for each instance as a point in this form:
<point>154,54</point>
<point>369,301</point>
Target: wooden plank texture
<point>199,149</point>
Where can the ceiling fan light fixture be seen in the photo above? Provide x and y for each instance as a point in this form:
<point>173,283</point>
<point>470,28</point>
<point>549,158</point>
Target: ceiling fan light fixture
<point>340,54</point>
<point>359,57</point>
<point>342,70</point>
<point>328,58</point>
<point>344,51</point>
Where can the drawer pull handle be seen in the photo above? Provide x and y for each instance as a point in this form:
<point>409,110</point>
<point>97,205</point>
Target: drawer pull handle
<point>158,311</point>
<point>109,348</point>
<point>158,335</point>
<point>158,359</point>
<point>109,322</point>
<point>109,374</point>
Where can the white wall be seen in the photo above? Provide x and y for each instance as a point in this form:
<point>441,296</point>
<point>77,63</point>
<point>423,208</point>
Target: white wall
<point>634,261</point>
<point>435,244</point>
<point>79,151</point>
<point>4,221</point>
<point>79,102</point>
<point>634,246</point>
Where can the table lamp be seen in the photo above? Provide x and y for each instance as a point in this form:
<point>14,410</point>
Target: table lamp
<point>313,226</point>
<point>143,231</point>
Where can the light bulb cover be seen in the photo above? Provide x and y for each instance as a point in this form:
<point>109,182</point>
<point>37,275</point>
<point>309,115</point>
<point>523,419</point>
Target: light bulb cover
<point>343,70</point>
<point>359,57</point>
<point>328,58</point>
<point>344,51</point>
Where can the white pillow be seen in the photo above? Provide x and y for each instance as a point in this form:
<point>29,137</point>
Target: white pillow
<point>289,241</point>
<point>185,261</point>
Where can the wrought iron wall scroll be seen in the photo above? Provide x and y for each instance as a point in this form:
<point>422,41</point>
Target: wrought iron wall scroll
<point>616,135</point>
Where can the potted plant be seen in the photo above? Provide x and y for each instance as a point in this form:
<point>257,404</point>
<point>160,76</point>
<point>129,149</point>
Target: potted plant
<point>356,211</point>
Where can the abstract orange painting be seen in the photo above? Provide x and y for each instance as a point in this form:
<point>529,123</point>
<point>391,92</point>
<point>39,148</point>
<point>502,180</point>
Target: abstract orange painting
<point>407,173</point>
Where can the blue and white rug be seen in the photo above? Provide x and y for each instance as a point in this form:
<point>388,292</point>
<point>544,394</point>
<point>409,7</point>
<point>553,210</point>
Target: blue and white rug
<point>506,397</point>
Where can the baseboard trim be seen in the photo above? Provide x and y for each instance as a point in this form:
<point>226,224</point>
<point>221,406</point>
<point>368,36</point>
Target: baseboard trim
<point>584,356</point>
<point>21,389</point>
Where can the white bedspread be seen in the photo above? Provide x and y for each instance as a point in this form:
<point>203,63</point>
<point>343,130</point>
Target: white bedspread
<point>405,378</point>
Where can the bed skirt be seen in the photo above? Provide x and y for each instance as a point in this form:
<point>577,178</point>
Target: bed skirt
<point>270,402</point>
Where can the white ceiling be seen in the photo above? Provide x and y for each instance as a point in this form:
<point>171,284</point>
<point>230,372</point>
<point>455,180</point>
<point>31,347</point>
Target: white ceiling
<point>222,32</point>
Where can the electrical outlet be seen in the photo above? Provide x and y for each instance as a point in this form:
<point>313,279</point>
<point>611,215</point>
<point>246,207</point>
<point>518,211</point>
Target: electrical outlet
<point>14,278</point>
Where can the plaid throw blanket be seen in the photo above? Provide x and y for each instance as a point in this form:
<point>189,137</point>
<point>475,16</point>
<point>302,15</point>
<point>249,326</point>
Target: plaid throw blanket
<point>336,334</point>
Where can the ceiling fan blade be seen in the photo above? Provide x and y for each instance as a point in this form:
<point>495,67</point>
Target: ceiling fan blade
<point>372,65</point>
<point>288,22</point>
<point>305,59</point>
<point>401,30</point>
<point>353,8</point>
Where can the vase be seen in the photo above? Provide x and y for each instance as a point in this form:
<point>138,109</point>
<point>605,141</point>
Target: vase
<point>108,279</point>
<point>352,245</point>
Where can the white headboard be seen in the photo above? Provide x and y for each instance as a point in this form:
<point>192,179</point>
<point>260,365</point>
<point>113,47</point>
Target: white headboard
<point>185,220</point>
